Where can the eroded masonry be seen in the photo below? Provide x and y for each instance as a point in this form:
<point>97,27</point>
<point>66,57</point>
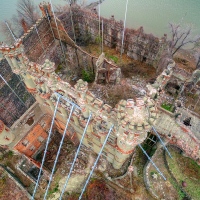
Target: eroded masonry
<point>36,60</point>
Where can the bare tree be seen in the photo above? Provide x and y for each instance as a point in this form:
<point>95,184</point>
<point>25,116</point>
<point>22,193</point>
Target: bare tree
<point>27,15</point>
<point>27,10</point>
<point>80,2</point>
<point>181,37</point>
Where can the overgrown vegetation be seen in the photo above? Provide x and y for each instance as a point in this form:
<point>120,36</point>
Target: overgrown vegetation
<point>55,189</point>
<point>187,170</point>
<point>58,69</point>
<point>181,195</point>
<point>167,106</point>
<point>150,150</point>
<point>114,58</point>
<point>2,185</point>
<point>88,75</point>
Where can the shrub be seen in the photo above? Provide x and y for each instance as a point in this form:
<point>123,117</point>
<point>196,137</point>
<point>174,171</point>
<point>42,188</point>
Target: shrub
<point>114,58</point>
<point>88,76</point>
<point>167,106</point>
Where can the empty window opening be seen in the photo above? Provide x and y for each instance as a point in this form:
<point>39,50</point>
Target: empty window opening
<point>32,148</point>
<point>187,121</point>
<point>25,142</point>
<point>40,139</point>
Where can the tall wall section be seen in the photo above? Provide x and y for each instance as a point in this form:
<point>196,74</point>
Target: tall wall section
<point>137,44</point>
<point>132,118</point>
<point>11,108</point>
<point>38,39</point>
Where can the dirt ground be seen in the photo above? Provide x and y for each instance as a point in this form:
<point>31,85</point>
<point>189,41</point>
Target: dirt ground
<point>9,189</point>
<point>185,60</point>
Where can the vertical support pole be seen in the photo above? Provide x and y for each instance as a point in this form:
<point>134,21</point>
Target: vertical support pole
<point>46,147</point>
<point>161,141</point>
<point>93,167</point>
<point>12,90</point>
<point>102,37</point>
<point>39,37</point>
<point>72,166</point>
<point>152,162</point>
<point>58,33</point>
<point>58,152</point>
<point>124,30</point>
<point>10,31</point>
<point>100,23</point>
<point>72,22</point>
<point>48,17</point>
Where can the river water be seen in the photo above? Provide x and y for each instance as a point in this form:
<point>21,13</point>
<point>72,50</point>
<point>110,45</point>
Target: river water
<point>153,15</point>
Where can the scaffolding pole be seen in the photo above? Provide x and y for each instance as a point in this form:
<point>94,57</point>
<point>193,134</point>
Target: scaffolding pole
<point>12,90</point>
<point>152,162</point>
<point>124,30</point>
<point>48,17</point>
<point>72,166</point>
<point>100,24</point>
<point>58,152</point>
<point>39,37</point>
<point>58,33</point>
<point>46,147</point>
<point>72,22</point>
<point>93,167</point>
<point>161,141</point>
<point>67,100</point>
<point>10,31</point>
<point>102,37</point>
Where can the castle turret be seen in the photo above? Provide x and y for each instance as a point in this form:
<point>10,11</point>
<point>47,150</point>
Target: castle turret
<point>134,119</point>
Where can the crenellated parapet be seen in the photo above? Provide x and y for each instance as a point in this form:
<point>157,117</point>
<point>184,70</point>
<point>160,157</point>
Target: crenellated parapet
<point>131,118</point>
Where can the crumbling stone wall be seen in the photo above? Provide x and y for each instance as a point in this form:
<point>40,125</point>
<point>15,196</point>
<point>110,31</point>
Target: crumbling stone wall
<point>34,45</point>
<point>137,44</point>
<point>129,117</point>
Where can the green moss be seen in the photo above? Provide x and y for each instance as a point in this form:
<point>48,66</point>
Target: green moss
<point>98,39</point>
<point>181,195</point>
<point>185,169</point>
<point>88,76</point>
<point>167,106</point>
<point>58,68</point>
<point>54,190</point>
<point>114,58</point>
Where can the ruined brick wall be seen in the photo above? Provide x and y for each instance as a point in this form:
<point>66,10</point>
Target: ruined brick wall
<point>34,45</point>
<point>137,44</point>
<point>11,108</point>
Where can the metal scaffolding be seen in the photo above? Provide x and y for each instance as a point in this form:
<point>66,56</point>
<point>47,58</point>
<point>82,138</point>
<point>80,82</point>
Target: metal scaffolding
<point>46,147</point>
<point>59,97</point>
<point>58,33</point>
<point>58,152</point>
<point>158,170</point>
<point>11,31</point>
<point>93,167</point>
<point>48,17</point>
<point>12,90</point>
<point>161,141</point>
<point>42,45</point>
<point>124,30</point>
<point>72,166</point>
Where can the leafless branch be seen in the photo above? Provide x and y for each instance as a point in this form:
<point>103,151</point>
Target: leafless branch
<point>181,37</point>
<point>27,10</point>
